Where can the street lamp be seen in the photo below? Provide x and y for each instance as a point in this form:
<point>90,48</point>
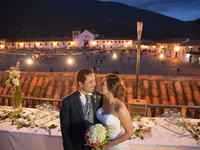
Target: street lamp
<point>161,56</point>
<point>29,61</point>
<point>114,56</point>
<point>139,36</point>
<point>70,61</point>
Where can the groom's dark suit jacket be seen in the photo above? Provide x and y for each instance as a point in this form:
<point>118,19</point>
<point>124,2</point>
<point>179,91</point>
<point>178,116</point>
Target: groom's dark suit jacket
<point>72,120</point>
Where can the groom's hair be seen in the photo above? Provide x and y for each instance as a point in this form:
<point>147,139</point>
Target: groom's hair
<point>80,75</point>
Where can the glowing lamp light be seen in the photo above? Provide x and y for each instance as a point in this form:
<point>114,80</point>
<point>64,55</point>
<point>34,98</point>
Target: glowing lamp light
<point>188,55</point>
<point>162,56</point>
<point>108,43</point>
<point>21,44</point>
<point>55,43</point>
<point>2,46</point>
<point>73,43</point>
<point>114,56</point>
<point>70,61</point>
<point>162,46</point>
<point>29,61</point>
<point>177,48</point>
<point>129,43</point>
<point>93,43</point>
<point>37,44</point>
<point>144,46</point>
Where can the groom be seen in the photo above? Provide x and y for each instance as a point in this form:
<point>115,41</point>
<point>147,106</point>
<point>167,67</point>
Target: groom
<point>78,111</point>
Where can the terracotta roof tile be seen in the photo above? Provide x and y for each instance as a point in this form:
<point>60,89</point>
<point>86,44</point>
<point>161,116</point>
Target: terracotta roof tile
<point>171,93</point>
<point>67,88</point>
<point>44,88</point>
<point>188,93</point>
<point>58,90</point>
<point>196,93</point>
<point>155,89</point>
<point>163,90</point>
<point>50,89</point>
<point>32,86</point>
<point>179,91</point>
<point>38,87</point>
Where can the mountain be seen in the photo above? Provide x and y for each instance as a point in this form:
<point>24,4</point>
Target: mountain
<point>53,18</point>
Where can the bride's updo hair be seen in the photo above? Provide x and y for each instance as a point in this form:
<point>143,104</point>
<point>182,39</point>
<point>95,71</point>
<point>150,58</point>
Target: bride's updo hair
<point>115,86</point>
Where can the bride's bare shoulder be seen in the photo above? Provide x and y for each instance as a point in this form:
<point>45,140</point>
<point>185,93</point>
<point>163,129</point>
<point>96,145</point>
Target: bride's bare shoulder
<point>120,106</point>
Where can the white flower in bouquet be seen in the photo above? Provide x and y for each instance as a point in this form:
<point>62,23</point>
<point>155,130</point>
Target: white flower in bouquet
<point>15,82</point>
<point>96,136</point>
<point>14,76</point>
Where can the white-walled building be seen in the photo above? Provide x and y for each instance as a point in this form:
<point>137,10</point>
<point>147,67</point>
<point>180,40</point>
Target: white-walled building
<point>192,51</point>
<point>172,48</point>
<point>83,39</point>
<point>112,43</point>
<point>2,44</point>
<point>181,48</point>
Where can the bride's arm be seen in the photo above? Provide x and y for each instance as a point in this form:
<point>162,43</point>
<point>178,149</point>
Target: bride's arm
<point>126,122</point>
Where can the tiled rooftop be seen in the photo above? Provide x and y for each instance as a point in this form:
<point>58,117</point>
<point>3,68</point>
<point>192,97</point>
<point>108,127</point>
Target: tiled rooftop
<point>155,89</point>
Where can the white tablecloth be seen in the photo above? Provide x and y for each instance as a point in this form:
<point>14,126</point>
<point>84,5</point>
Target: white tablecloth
<point>29,138</point>
<point>39,139</point>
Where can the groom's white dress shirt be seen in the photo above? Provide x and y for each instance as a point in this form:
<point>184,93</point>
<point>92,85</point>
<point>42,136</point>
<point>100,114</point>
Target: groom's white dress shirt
<point>83,98</point>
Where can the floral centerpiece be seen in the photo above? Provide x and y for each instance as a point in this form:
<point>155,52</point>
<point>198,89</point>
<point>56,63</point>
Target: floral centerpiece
<point>141,129</point>
<point>96,136</point>
<point>14,83</point>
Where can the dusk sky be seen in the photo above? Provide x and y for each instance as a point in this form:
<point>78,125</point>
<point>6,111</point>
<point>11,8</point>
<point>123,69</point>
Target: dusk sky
<point>181,9</point>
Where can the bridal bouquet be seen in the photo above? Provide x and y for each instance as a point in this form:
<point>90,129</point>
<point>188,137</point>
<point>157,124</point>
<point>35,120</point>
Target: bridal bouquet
<point>96,136</point>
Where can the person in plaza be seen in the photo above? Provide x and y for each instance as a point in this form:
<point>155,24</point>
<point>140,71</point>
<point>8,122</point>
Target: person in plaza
<point>178,71</point>
<point>114,114</point>
<point>78,111</point>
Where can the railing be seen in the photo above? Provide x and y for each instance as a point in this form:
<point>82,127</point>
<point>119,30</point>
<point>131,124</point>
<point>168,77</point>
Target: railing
<point>182,107</point>
<point>146,107</point>
<point>33,98</point>
<point>32,101</point>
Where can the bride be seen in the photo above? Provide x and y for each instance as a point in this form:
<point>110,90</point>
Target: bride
<point>114,114</point>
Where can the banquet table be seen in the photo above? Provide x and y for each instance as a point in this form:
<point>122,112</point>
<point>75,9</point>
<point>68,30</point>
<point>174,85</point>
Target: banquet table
<point>12,138</point>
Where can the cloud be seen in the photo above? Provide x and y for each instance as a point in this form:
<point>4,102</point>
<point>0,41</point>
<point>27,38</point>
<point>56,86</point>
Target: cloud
<point>175,8</point>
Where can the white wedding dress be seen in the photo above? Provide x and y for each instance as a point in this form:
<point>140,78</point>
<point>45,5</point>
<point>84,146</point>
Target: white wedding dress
<point>113,125</point>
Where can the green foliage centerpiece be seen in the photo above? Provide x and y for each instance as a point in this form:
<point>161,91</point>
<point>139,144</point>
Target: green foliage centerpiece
<point>14,83</point>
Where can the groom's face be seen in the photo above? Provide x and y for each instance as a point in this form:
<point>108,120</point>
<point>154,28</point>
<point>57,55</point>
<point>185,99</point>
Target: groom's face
<point>89,85</point>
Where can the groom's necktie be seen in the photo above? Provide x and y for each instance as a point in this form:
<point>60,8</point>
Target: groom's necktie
<point>87,105</point>
<point>88,109</point>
